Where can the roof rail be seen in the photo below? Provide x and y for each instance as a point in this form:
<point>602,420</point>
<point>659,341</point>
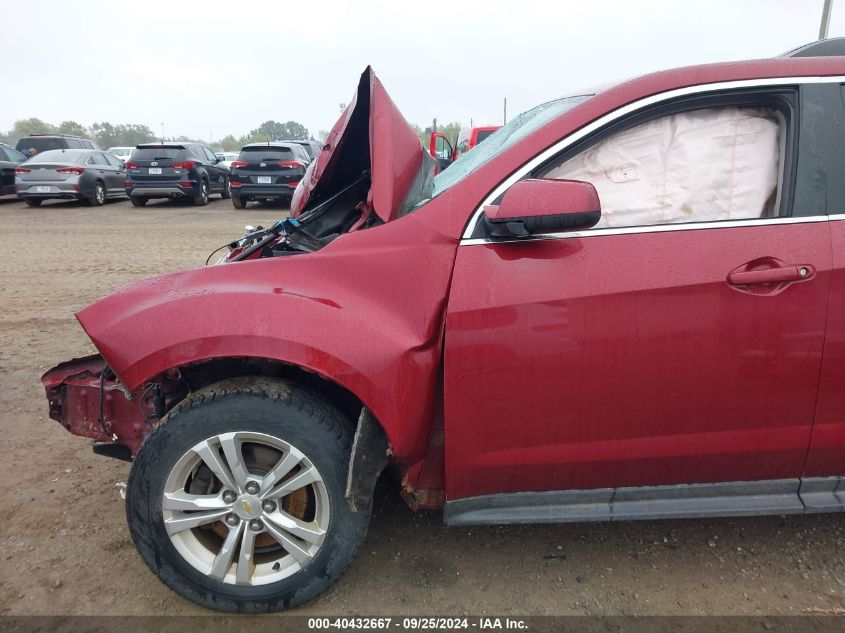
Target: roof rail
<point>54,134</point>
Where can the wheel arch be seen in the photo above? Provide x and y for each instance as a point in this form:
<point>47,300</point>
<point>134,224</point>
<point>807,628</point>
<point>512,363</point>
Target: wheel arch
<point>210,371</point>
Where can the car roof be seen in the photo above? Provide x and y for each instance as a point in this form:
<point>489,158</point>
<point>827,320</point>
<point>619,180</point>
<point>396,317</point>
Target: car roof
<point>55,136</point>
<point>834,46</point>
<point>777,71</point>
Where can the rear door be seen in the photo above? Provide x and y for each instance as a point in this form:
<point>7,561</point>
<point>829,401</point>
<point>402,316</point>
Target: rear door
<point>269,165</point>
<point>217,174</point>
<point>154,163</point>
<point>117,174</point>
<point>823,169</point>
<point>98,165</point>
<point>678,342</point>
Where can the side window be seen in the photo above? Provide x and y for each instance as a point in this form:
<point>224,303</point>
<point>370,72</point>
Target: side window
<point>442,148</point>
<point>97,159</point>
<point>73,143</point>
<point>196,150</point>
<point>4,155</point>
<point>301,154</point>
<point>114,161</point>
<point>209,155</point>
<point>710,164</point>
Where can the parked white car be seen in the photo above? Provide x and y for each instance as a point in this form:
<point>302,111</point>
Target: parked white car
<point>226,158</point>
<point>123,153</point>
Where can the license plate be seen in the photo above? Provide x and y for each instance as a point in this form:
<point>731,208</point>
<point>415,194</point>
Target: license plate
<point>43,189</point>
<point>155,171</point>
<point>264,180</point>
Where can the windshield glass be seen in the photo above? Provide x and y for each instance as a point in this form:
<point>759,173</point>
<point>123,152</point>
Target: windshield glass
<point>517,129</point>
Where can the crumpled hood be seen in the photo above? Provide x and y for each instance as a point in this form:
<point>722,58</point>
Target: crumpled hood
<point>370,136</point>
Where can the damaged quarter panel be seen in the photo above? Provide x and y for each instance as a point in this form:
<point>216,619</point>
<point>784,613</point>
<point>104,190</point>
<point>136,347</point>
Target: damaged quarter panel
<point>365,312</point>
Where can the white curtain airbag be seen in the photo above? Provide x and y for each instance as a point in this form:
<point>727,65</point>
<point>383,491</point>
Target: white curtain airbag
<point>703,165</point>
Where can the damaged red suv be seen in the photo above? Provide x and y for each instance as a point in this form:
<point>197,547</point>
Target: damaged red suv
<point>622,305</point>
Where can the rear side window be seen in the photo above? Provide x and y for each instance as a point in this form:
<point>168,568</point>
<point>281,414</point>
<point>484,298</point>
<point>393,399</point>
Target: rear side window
<point>157,153</point>
<point>114,161</point>
<point>265,154</point>
<point>40,144</point>
<point>74,143</point>
<point>97,159</point>
<point>482,134</point>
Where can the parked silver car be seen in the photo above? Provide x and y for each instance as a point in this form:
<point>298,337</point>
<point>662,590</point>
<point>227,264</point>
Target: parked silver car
<point>90,176</point>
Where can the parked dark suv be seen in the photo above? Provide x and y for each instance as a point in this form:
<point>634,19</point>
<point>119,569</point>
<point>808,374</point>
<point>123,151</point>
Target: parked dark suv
<point>312,147</point>
<point>10,158</point>
<point>44,142</point>
<point>175,170</point>
<point>267,171</point>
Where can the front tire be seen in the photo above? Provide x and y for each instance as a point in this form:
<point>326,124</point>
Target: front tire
<point>236,501</point>
<point>227,191</point>
<point>201,198</point>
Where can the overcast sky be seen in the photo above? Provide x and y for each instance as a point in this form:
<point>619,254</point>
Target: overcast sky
<point>222,68</point>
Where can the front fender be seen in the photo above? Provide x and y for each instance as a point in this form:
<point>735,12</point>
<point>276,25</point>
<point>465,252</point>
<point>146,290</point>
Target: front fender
<point>365,312</point>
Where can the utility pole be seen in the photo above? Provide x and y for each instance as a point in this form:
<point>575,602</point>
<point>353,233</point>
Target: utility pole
<point>825,25</point>
<point>505,115</point>
<point>162,131</point>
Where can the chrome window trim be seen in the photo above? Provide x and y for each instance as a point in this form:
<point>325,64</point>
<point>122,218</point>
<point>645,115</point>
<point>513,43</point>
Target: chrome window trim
<point>654,228</point>
<point>577,135</point>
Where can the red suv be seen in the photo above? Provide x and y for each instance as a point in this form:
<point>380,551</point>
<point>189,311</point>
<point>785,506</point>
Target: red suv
<point>441,149</point>
<point>622,305</point>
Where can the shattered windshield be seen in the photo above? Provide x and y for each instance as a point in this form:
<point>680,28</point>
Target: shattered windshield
<point>517,129</point>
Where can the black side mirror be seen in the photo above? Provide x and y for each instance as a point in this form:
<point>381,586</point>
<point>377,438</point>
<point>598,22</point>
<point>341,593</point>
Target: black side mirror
<point>536,207</point>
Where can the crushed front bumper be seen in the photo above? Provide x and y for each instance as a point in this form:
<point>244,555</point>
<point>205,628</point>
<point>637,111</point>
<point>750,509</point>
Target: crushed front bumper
<point>88,401</point>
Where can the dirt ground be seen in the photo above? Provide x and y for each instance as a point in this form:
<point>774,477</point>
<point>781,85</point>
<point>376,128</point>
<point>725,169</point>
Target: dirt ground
<point>65,548</point>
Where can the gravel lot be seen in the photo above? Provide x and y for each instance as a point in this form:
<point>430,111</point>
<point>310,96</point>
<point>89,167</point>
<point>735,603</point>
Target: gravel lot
<point>65,548</point>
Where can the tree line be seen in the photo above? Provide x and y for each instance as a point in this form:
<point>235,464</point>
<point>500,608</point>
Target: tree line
<point>107,134</point>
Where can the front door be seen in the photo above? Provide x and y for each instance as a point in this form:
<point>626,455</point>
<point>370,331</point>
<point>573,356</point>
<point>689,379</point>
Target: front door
<point>679,341</point>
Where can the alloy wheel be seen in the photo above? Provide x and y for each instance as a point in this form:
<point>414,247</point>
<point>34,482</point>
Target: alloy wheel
<point>245,508</point>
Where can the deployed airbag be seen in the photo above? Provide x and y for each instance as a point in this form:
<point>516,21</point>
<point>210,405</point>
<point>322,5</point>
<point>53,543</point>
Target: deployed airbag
<point>697,166</point>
